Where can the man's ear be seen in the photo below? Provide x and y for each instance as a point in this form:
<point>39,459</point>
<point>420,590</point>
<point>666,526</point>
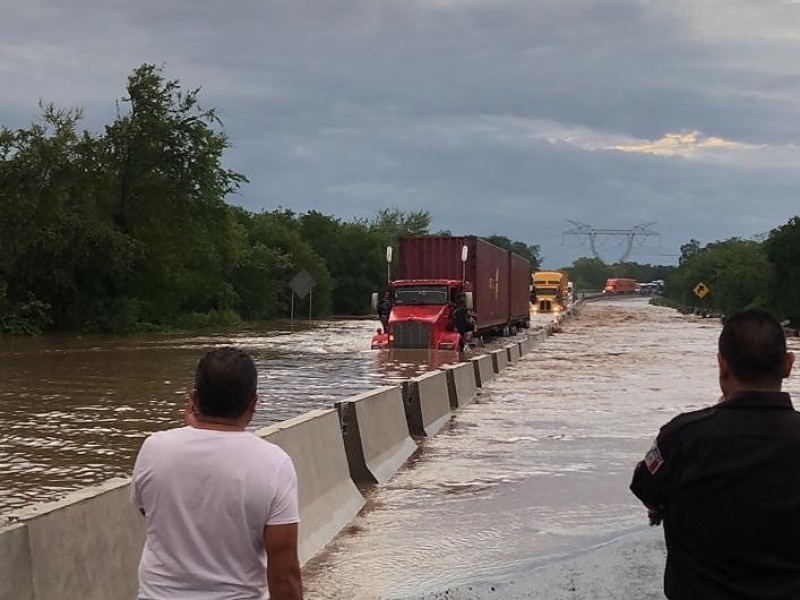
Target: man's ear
<point>253,403</point>
<point>191,402</point>
<point>788,362</point>
<point>724,369</point>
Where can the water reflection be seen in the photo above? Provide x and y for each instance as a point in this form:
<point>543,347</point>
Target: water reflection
<point>75,409</point>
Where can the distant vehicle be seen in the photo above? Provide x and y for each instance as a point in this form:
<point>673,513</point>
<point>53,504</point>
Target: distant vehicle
<point>552,291</point>
<point>619,285</point>
<point>435,274</point>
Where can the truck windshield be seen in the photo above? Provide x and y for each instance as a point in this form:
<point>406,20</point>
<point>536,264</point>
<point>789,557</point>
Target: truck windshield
<point>546,291</point>
<point>421,294</point>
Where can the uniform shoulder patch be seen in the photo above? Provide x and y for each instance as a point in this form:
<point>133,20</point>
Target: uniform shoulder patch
<point>653,459</point>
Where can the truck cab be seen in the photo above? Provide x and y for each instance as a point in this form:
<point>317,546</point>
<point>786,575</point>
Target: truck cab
<point>421,314</point>
<point>551,291</point>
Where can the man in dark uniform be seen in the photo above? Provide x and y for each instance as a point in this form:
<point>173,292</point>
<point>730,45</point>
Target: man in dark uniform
<point>463,321</point>
<point>385,310</point>
<point>726,479</point>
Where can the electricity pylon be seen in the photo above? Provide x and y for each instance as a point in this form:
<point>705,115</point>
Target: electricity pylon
<point>637,234</point>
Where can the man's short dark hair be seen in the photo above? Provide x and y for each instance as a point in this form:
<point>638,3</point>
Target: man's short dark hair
<point>754,345</point>
<point>225,381</point>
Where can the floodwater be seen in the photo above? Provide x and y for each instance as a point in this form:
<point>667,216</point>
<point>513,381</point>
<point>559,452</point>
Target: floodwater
<point>535,469</point>
<point>75,410</point>
<point>538,467</point>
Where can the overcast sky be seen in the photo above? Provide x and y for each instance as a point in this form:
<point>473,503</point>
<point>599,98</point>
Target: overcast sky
<point>507,117</point>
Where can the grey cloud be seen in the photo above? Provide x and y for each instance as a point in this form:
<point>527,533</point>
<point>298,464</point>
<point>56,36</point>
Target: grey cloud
<point>347,106</point>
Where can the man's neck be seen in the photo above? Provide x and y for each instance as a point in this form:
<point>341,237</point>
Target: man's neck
<point>215,424</point>
<point>744,387</point>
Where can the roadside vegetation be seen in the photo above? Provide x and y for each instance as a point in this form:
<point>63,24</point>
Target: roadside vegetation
<point>129,229</point>
<point>737,273</point>
<point>741,273</point>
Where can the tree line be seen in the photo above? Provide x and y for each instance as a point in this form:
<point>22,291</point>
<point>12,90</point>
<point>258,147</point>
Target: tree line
<point>737,273</point>
<point>741,273</point>
<point>129,230</point>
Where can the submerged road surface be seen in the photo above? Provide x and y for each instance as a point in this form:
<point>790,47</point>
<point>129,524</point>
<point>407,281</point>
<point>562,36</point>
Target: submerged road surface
<point>534,472</point>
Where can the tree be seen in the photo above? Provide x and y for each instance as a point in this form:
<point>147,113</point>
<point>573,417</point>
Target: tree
<point>354,254</point>
<point>588,274</point>
<point>165,164</point>
<point>393,223</point>
<point>282,254</point>
<point>528,251</point>
<point>59,250</point>
<point>688,250</point>
<point>736,271</point>
<point>782,248</point>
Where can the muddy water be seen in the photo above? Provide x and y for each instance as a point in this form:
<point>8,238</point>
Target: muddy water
<point>538,467</point>
<point>74,410</point>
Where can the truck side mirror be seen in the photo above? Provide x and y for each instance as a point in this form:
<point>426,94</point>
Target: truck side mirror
<point>374,300</point>
<point>468,299</point>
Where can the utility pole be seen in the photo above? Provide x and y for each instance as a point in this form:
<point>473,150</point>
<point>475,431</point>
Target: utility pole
<point>637,234</point>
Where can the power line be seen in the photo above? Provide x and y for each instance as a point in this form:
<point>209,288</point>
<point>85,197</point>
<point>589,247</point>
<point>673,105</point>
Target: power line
<point>637,234</point>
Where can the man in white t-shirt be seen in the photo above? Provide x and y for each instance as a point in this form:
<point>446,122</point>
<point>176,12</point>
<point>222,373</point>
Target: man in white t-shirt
<point>220,503</point>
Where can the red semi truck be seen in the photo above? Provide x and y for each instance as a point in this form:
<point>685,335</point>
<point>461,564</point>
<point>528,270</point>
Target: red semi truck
<point>432,272</point>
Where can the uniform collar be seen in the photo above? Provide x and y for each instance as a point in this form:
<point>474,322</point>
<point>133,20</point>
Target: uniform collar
<point>757,399</point>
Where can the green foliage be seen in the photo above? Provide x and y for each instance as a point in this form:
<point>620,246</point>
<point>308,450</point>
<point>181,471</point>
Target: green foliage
<point>129,230</point>
<point>28,317</point>
<point>529,251</point>
<point>688,250</point>
<point>782,248</point>
<point>737,272</point>
<point>164,166</point>
<point>393,223</point>
<point>355,256</point>
<point>588,274</point>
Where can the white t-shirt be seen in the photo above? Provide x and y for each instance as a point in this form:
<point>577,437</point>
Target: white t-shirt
<point>207,496</point>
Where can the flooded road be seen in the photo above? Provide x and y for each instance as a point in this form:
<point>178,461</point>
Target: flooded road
<point>535,469</point>
<point>75,410</point>
<point>538,467</point>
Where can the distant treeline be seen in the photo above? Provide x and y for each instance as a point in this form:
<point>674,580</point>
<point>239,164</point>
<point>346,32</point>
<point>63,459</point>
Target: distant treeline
<point>738,274</point>
<point>590,274</point>
<point>741,273</point>
<point>128,230</point>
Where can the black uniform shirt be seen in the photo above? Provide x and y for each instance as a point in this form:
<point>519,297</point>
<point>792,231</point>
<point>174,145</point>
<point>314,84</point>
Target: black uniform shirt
<point>727,479</point>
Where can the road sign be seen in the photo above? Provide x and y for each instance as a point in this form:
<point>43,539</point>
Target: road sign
<point>701,290</point>
<point>302,283</point>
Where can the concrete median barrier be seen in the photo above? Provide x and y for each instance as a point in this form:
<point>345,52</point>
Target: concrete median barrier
<point>16,576</point>
<point>461,384</point>
<point>482,366</point>
<point>376,436</point>
<point>499,360</point>
<point>329,499</point>
<point>83,547</point>
<point>427,403</point>
<point>512,352</point>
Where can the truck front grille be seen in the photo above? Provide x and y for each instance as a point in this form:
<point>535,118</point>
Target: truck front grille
<point>411,334</point>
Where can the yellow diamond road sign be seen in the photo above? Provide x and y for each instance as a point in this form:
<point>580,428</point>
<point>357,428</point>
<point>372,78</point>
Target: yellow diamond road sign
<point>700,290</point>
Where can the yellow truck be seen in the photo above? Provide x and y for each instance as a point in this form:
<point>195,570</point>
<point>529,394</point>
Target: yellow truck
<point>550,291</point>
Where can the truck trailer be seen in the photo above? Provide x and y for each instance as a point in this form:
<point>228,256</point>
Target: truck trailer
<point>620,285</point>
<point>435,274</point>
